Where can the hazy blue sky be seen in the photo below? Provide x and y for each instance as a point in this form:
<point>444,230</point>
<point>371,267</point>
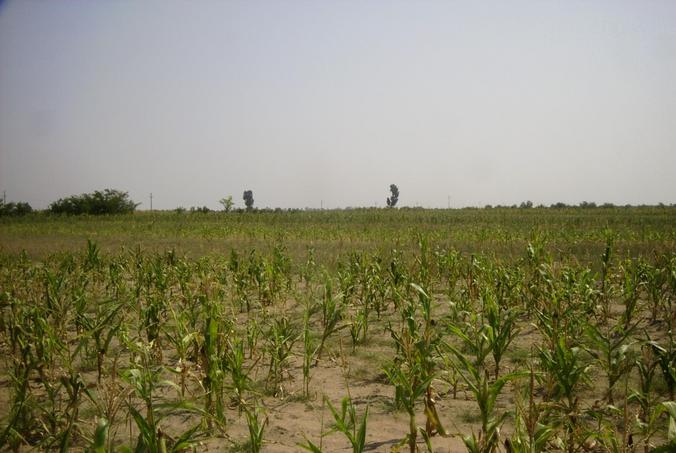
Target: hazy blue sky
<point>303,101</point>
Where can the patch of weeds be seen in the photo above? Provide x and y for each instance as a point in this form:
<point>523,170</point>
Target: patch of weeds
<point>240,447</point>
<point>471,417</point>
<point>519,356</point>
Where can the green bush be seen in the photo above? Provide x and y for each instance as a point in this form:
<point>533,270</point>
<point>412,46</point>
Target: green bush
<point>99,202</point>
<point>11,208</point>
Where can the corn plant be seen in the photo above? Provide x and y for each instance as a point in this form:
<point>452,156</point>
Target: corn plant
<point>240,277</point>
<point>348,423</point>
<point>253,333</point>
<point>110,398</point>
<point>256,428</point>
<point>631,290</point>
<point>309,350</point>
<point>449,269</point>
<point>332,310</point>
<point>181,338</point>
<point>259,273</point>
<point>240,374</point>
<point>309,268</point>
<point>424,275</point>
<point>611,348</point>
<point>280,340</point>
<point>102,327</point>
<point>396,277</point>
<point>414,368</point>
<point>145,380</point>
<point>606,283</point>
<point>532,433</point>
<point>22,426</point>
<point>485,390</point>
<point>499,329</point>
<point>100,442</point>
<point>568,371</point>
<point>213,359</point>
<point>666,356</point>
<point>409,388</point>
<point>656,283</point>
<point>668,408</point>
<point>358,325</point>
<point>153,313</point>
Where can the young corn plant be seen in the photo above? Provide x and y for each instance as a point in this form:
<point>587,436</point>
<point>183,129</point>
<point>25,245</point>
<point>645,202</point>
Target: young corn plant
<point>646,365</point>
<point>656,282</point>
<point>22,426</point>
<point>348,423</point>
<point>485,390</point>
<point>631,290</point>
<point>145,379</point>
<point>500,328</point>
<point>333,310</point>
<point>668,408</point>
<point>102,327</point>
<point>532,433</point>
<point>181,338</point>
<point>309,268</point>
<point>241,281</point>
<point>240,373</point>
<point>606,291</point>
<point>256,428</point>
<point>358,325</point>
<point>568,371</point>
<point>281,338</point>
<point>309,350</point>
<point>610,346</point>
<point>212,360</point>
<point>406,377</point>
<point>253,334</point>
<point>428,348</point>
<point>414,368</point>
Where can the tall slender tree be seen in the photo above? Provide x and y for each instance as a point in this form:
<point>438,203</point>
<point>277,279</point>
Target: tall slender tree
<point>392,199</point>
<point>248,199</point>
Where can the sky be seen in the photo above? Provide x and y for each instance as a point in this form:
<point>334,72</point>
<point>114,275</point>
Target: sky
<point>326,103</point>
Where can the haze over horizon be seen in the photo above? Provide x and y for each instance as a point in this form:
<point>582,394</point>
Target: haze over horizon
<point>331,102</point>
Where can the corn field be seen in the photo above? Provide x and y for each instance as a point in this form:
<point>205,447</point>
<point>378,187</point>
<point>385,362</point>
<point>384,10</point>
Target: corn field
<point>495,332</point>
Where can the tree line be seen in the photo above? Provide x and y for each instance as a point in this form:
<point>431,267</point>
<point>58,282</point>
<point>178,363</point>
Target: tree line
<point>112,201</point>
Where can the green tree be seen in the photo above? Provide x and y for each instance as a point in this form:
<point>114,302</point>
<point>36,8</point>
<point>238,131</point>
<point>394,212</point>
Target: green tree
<point>248,199</point>
<point>392,200</point>
<point>227,203</point>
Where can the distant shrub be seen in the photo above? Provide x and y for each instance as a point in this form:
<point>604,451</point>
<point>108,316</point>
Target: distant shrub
<point>99,202</point>
<point>14,209</point>
<point>202,210</point>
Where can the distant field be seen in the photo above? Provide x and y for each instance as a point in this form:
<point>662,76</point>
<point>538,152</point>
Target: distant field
<point>574,232</point>
<point>440,330</point>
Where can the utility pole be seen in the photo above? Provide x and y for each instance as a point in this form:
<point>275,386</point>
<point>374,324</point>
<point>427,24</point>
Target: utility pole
<point>151,201</point>
<point>322,205</point>
<point>4,197</point>
<point>449,202</point>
